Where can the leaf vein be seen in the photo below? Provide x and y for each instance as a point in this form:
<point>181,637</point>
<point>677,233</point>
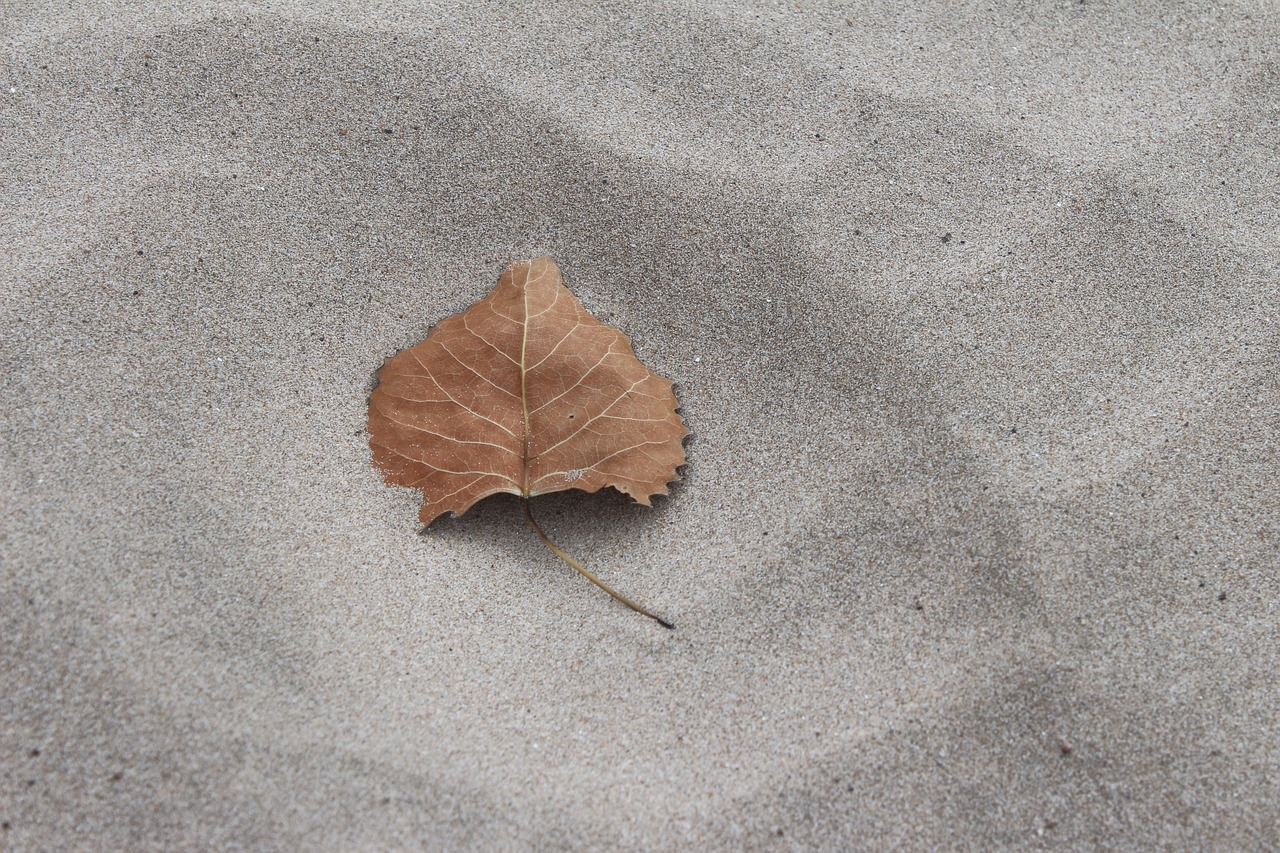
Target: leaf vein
<point>589,421</point>
<point>452,399</point>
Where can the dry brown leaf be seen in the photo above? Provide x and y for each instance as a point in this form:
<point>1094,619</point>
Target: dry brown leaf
<point>524,393</point>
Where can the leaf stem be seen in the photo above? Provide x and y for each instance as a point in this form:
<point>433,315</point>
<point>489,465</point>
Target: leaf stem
<point>528,513</point>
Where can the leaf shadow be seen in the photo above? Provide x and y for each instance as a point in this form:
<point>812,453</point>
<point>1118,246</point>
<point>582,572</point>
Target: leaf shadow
<point>573,513</point>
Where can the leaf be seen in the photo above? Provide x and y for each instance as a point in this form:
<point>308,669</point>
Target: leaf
<point>524,393</point>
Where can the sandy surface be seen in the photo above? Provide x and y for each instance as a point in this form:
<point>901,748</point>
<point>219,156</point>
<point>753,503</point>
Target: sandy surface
<point>973,314</point>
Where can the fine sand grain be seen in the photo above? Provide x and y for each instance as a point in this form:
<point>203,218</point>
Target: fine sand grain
<point>973,314</point>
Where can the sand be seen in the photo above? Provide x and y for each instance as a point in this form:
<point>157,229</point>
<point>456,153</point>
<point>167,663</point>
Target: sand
<point>973,314</point>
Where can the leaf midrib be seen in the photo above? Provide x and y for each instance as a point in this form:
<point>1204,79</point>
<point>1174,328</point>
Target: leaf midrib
<point>524,397</point>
